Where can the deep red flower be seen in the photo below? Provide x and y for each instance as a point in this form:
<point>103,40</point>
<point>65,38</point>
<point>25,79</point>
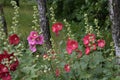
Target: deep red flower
<point>71,45</point>
<point>101,43</point>
<point>57,72</point>
<point>14,65</point>
<point>6,76</point>
<point>67,68</point>
<point>87,50</point>
<point>56,27</point>
<point>14,39</point>
<point>4,73</point>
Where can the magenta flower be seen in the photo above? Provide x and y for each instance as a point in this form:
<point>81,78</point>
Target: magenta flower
<point>33,34</point>
<point>40,39</point>
<point>33,48</point>
<point>31,38</point>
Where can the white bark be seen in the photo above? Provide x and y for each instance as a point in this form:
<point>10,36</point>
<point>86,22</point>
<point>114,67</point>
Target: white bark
<point>114,8</point>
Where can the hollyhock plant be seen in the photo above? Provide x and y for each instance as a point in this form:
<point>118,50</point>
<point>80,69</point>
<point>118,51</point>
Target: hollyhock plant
<point>39,39</point>
<point>35,39</point>
<point>14,39</point>
<point>56,27</point>
<point>71,45</point>
<point>101,43</point>
<point>87,50</point>
<point>67,67</point>
<point>33,34</point>
<point>4,73</point>
<point>57,72</point>
<point>33,48</point>
<point>31,38</point>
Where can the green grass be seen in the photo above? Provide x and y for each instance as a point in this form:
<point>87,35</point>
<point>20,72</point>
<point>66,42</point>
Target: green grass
<point>25,18</point>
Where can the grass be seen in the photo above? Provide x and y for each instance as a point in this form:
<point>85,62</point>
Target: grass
<point>25,18</point>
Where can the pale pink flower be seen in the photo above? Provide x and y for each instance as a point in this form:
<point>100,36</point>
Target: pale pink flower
<point>101,43</point>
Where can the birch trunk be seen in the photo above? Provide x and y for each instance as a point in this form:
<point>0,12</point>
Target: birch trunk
<point>44,24</point>
<point>114,8</point>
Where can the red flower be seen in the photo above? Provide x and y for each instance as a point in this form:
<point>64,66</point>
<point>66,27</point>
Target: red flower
<point>71,45</point>
<point>14,39</point>
<point>67,68</point>
<point>88,38</point>
<point>14,65</point>
<point>87,50</point>
<point>94,46</point>
<point>56,27</point>
<point>57,72</point>
<point>101,43</point>
<point>4,73</point>
<point>79,53</point>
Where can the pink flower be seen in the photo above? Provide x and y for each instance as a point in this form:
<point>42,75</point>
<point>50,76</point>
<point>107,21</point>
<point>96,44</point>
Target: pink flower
<point>71,45</point>
<point>56,27</point>
<point>14,39</point>
<point>88,38</point>
<point>40,39</point>
<point>33,34</point>
<point>101,43</point>
<point>31,38</point>
<point>67,68</point>
<point>57,72</point>
<point>94,46</point>
<point>33,48</point>
<point>87,50</point>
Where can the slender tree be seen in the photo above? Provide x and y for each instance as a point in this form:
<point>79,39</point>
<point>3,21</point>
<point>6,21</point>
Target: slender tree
<point>114,8</point>
<point>3,19</point>
<point>44,24</point>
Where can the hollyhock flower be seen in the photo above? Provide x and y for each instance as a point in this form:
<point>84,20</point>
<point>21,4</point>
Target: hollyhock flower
<point>91,37</point>
<point>33,34</point>
<point>31,40</point>
<point>57,72</point>
<point>67,68</point>
<point>14,39</point>
<point>33,48</point>
<point>79,53</point>
<point>101,43</point>
<point>56,27</point>
<point>87,50</point>
<point>14,65</point>
<point>4,73</point>
<point>40,39</point>
<point>71,45</point>
<point>88,38</point>
<point>94,46</point>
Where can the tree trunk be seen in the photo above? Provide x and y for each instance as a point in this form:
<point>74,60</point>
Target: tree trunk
<point>3,19</point>
<point>44,24</point>
<point>114,7</point>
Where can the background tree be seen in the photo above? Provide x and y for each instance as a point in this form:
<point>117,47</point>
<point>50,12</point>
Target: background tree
<point>44,24</point>
<point>115,19</point>
<point>3,19</point>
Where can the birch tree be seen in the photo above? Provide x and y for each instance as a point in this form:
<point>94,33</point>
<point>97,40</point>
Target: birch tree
<point>44,24</point>
<point>114,8</point>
